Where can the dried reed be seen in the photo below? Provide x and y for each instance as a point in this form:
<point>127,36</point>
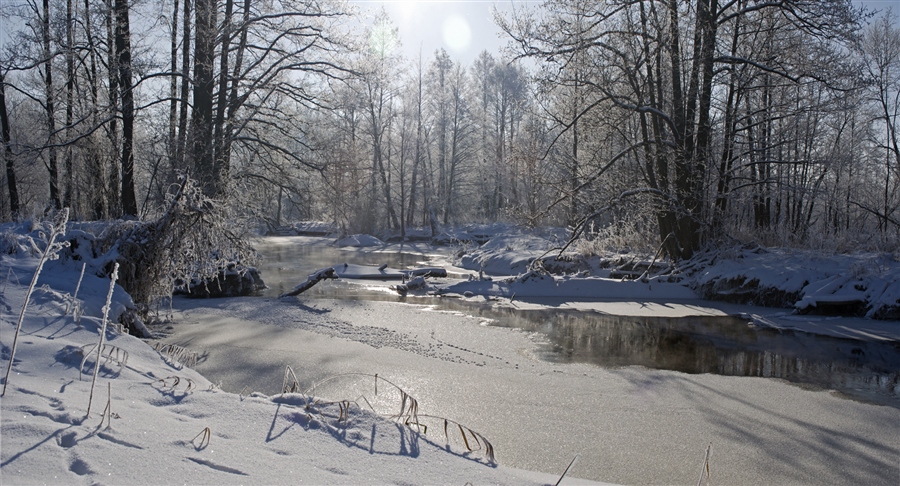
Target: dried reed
<point>408,415</point>
<point>176,354</point>
<point>106,308</point>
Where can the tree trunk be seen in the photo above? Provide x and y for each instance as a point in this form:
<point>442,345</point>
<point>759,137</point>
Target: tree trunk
<point>234,102</point>
<point>70,101</point>
<point>113,202</point>
<point>202,114</point>
<point>123,48</point>
<point>49,109</point>
<point>94,160</point>
<point>7,153</point>
<point>180,145</point>
<point>417,160</point>
<point>173,88</point>
<point>220,172</point>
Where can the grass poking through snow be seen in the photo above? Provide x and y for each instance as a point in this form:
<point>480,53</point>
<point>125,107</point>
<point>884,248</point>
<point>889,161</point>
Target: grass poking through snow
<point>407,415</point>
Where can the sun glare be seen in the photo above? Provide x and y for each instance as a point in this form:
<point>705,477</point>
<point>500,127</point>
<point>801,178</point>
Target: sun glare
<point>457,33</point>
<point>405,8</point>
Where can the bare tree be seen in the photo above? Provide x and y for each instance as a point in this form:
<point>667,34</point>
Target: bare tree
<point>123,51</point>
<point>880,48</point>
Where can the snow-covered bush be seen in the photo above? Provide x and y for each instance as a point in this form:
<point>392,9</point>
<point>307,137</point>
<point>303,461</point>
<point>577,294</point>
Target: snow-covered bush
<point>9,241</point>
<point>194,238</point>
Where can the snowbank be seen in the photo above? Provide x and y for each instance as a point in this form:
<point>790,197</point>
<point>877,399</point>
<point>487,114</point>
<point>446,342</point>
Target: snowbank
<point>508,254</point>
<point>855,285</point>
<point>575,287</point>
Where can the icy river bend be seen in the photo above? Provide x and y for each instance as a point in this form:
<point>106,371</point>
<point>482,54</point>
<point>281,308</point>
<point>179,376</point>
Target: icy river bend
<point>628,424</point>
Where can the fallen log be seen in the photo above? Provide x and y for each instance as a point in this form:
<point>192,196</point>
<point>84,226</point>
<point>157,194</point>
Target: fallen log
<point>319,275</point>
<point>436,272</point>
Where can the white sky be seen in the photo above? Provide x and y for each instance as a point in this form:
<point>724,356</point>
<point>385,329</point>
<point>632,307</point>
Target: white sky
<point>466,27</point>
<point>463,27</point>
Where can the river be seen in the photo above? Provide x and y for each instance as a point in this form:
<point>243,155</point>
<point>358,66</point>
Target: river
<point>637,399</point>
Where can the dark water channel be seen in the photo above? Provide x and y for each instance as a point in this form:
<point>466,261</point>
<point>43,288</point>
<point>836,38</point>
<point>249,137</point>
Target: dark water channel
<point>865,370</point>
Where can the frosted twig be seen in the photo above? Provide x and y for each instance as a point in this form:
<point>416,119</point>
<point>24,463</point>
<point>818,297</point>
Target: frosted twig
<point>58,227</point>
<point>78,286</point>
<point>112,286</point>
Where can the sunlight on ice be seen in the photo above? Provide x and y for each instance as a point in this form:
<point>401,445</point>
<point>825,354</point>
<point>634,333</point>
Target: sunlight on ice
<point>457,33</point>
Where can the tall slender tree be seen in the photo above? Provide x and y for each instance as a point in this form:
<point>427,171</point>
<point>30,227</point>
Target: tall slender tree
<point>8,152</point>
<point>123,50</point>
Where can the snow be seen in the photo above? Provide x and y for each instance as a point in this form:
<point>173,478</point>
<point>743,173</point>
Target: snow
<point>575,288</point>
<point>382,272</point>
<point>870,280</point>
<point>168,424</point>
<point>362,241</point>
<point>505,254</point>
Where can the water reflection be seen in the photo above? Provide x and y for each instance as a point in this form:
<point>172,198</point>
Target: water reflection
<point>719,345</point>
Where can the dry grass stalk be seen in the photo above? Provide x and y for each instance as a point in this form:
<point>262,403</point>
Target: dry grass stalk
<point>176,354</point>
<point>107,412</point>
<point>567,470</point>
<point>112,286</point>
<point>77,287</point>
<point>77,314</point>
<point>289,387</point>
<point>409,406</point>
<point>479,441</point>
<point>57,228</point>
<point>110,352</point>
<point>204,437</point>
<point>408,415</point>
<point>705,470</point>
<point>175,381</point>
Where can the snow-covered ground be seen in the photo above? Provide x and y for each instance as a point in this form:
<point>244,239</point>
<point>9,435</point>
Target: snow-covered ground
<point>166,424</point>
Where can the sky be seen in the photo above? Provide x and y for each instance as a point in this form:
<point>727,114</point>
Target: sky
<point>466,27</point>
<point>463,27</point>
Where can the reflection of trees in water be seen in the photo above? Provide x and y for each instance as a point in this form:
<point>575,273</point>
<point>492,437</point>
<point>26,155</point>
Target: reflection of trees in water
<point>724,346</point>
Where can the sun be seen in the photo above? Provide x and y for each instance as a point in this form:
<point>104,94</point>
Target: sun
<point>457,33</point>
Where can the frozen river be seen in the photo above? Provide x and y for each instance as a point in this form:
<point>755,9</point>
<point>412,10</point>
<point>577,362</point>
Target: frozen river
<point>537,392</point>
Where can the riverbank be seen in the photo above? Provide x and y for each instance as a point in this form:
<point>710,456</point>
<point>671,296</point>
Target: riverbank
<point>778,289</point>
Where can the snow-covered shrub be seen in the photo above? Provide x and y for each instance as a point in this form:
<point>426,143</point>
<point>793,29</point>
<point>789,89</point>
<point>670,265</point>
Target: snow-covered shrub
<point>9,241</point>
<point>194,238</point>
<point>624,236</point>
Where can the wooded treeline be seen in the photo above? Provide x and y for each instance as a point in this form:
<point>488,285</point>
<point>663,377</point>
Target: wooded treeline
<point>654,121</point>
